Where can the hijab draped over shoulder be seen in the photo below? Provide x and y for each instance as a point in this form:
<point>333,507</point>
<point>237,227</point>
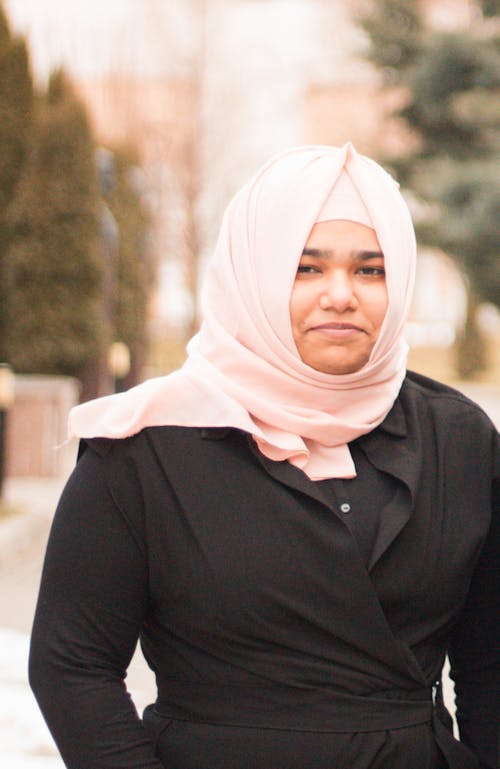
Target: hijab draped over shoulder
<point>243,369</point>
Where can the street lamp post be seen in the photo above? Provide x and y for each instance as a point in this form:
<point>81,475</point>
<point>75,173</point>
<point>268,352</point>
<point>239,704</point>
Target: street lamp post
<point>6,400</point>
<point>118,364</point>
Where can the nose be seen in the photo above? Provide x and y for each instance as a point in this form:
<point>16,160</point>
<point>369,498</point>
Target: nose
<point>338,293</point>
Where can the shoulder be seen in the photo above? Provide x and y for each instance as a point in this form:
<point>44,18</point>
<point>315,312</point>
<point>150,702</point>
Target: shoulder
<point>458,428</point>
<point>442,414</point>
<point>161,465</point>
<point>140,444</point>
<point>141,469</point>
<point>433,397</point>
<point>161,447</point>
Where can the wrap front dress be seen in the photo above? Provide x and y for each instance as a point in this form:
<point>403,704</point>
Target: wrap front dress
<point>291,624</point>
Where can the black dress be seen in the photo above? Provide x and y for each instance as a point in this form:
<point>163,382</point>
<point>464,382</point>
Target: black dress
<point>290,624</point>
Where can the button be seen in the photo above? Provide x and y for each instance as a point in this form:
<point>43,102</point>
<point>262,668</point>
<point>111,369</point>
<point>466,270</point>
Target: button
<point>345,507</point>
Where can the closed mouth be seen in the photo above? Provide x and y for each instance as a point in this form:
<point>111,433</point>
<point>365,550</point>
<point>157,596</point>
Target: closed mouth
<point>336,327</point>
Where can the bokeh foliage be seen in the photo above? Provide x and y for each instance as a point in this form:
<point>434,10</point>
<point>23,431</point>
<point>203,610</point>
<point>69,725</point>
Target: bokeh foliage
<point>55,315</point>
<point>452,83</point>
<point>65,295</point>
<point>16,119</point>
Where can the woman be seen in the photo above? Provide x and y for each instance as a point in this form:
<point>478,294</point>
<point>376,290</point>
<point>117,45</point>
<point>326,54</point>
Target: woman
<point>296,529</point>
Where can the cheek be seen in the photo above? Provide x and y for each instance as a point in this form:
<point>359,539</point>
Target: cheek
<point>299,301</point>
<point>376,306</point>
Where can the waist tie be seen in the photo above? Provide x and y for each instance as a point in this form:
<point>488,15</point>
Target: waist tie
<point>283,707</point>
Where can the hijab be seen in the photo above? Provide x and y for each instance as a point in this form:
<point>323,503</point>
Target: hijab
<point>243,369</point>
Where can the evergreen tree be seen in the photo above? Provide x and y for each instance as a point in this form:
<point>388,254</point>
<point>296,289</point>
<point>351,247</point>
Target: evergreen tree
<point>57,323</point>
<point>135,270</point>
<point>16,115</point>
<point>395,32</point>
<point>451,81</point>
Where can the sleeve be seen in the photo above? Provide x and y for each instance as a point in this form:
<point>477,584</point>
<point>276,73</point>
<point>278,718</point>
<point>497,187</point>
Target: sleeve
<point>92,601</point>
<point>474,651</point>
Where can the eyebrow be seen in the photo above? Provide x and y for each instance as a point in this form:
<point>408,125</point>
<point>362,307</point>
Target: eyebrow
<point>324,253</point>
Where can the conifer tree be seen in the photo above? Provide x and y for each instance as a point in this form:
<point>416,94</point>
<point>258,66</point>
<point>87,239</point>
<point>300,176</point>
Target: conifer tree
<point>451,80</point>
<point>16,115</point>
<point>57,323</point>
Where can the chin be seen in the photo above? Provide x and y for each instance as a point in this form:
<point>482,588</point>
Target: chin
<point>340,368</point>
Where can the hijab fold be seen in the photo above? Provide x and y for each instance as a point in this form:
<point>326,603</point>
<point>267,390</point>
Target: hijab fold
<point>243,369</point>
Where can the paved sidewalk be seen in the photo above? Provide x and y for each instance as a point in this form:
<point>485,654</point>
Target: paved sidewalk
<point>33,502</point>
<point>25,742</point>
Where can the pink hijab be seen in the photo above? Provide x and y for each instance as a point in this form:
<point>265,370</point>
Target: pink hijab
<point>243,369</point>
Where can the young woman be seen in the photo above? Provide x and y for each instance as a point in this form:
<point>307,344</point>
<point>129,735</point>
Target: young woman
<point>296,529</point>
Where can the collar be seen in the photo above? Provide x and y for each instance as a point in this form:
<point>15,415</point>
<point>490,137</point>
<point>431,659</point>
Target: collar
<point>395,421</point>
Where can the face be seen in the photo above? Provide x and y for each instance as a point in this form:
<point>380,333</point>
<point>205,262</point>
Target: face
<point>339,297</point>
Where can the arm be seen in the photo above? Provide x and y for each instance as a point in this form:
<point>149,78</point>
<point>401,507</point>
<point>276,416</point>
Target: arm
<point>475,652</point>
<point>92,602</point>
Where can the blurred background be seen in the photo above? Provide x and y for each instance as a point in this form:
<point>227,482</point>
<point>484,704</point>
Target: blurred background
<point>125,127</point>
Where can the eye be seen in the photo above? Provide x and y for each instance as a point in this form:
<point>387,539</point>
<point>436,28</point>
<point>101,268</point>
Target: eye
<point>307,269</point>
<point>375,272</point>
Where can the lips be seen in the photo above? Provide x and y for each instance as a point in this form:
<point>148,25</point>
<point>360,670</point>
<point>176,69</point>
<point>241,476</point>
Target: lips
<point>332,326</point>
<point>339,326</point>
